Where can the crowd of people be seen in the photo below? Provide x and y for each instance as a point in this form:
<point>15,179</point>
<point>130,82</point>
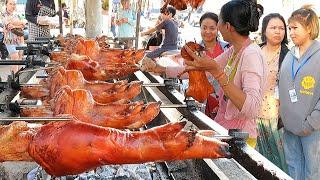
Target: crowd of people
<point>38,15</point>
<point>268,90</point>
<point>265,89</point>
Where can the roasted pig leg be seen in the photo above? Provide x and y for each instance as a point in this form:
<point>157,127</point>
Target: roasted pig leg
<point>80,104</point>
<point>68,148</point>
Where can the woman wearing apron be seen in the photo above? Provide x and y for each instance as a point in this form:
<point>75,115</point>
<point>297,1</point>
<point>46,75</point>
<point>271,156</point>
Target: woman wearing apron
<point>34,10</point>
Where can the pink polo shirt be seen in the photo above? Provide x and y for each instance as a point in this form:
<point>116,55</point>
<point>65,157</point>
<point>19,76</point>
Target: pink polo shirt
<point>251,77</point>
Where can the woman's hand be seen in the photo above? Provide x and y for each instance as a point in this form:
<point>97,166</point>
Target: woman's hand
<point>10,26</point>
<point>150,65</point>
<point>124,20</point>
<point>118,22</point>
<point>201,62</point>
<point>121,21</point>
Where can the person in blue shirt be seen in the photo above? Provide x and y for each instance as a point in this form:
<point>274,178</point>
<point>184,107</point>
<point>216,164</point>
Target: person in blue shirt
<point>170,37</point>
<point>126,21</point>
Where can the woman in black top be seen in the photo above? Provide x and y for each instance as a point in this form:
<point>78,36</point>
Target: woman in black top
<point>34,10</point>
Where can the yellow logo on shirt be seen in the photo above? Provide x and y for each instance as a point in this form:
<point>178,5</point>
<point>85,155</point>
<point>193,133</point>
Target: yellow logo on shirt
<point>308,82</point>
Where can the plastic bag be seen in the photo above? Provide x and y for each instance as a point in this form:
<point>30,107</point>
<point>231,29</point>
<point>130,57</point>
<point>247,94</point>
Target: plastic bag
<point>17,31</point>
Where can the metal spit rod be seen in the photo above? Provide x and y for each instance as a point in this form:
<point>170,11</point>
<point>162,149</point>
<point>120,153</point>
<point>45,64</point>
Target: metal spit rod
<point>34,85</point>
<point>173,106</point>
<point>144,85</point>
<point>35,119</point>
<point>40,68</point>
<point>161,106</point>
<point>43,41</point>
<point>20,62</point>
<point>13,62</point>
<point>157,84</point>
<point>33,106</point>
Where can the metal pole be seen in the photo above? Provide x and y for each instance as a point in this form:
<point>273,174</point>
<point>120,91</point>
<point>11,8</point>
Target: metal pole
<point>60,17</point>
<point>138,24</point>
<point>72,7</point>
<point>35,119</point>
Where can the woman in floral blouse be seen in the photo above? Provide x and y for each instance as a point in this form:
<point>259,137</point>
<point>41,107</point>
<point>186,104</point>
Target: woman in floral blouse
<point>274,49</point>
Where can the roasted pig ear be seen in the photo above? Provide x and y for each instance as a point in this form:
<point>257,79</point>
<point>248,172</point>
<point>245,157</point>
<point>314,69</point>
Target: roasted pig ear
<point>63,101</point>
<point>73,147</point>
<point>57,80</point>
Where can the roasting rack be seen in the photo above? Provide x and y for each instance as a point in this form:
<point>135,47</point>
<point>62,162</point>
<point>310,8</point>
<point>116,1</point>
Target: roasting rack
<point>13,82</point>
<point>168,83</point>
<point>29,62</point>
<point>41,45</point>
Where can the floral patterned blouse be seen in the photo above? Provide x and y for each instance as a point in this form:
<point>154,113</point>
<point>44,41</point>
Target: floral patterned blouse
<point>9,37</point>
<point>270,103</point>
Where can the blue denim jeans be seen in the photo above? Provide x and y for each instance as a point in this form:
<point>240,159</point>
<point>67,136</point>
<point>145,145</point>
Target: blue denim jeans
<point>302,155</point>
<point>157,53</point>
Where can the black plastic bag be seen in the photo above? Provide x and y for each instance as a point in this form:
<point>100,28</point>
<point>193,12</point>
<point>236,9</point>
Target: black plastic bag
<point>17,31</point>
<point>155,40</point>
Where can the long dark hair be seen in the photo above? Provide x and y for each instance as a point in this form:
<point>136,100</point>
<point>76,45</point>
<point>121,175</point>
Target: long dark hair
<point>243,15</point>
<point>265,23</point>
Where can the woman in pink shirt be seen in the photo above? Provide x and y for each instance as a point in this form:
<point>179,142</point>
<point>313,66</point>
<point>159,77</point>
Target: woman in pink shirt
<point>241,71</point>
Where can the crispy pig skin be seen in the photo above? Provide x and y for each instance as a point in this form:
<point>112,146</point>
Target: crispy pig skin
<point>68,148</point>
<point>199,86</point>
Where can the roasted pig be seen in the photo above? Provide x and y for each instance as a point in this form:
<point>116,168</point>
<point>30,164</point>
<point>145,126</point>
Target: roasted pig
<point>80,104</point>
<point>199,86</point>
<point>69,148</point>
<point>90,48</point>
<point>102,92</point>
<point>92,70</point>
<point>195,4</point>
<point>182,4</point>
<point>102,41</point>
<point>73,147</point>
